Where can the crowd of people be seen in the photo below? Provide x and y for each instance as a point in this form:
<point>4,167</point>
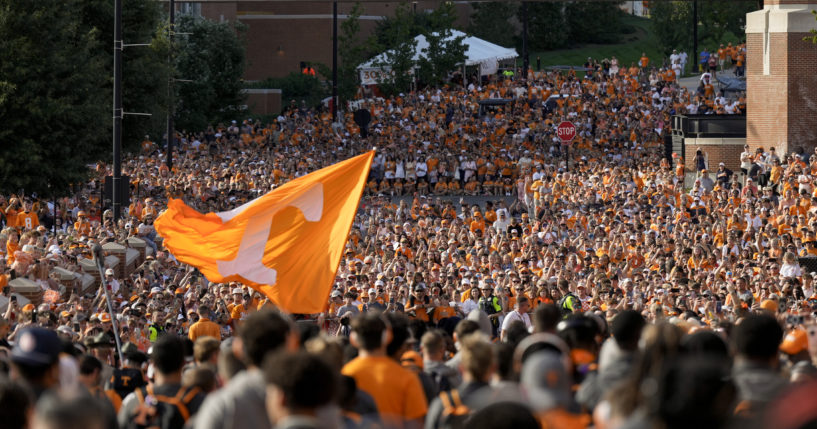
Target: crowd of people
<point>488,280</point>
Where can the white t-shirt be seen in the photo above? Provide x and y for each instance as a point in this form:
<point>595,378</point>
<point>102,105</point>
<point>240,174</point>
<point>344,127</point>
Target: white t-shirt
<point>791,270</point>
<point>514,316</point>
<point>421,168</point>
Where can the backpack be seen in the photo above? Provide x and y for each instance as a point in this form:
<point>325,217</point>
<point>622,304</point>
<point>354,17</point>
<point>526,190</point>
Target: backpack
<point>455,414</point>
<point>442,382</point>
<point>563,307</point>
<point>160,411</point>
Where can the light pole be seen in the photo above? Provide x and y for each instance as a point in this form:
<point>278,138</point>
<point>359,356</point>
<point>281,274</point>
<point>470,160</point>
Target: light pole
<point>117,110</point>
<point>525,58</point>
<point>170,99</point>
<point>334,60</point>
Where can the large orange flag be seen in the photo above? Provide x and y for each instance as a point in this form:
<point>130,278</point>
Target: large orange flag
<point>286,244</point>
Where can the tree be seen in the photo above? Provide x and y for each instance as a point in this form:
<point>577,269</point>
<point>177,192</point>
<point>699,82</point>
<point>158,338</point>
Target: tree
<point>546,25</point>
<point>212,56</point>
<point>583,22</point>
<point>352,52</point>
<point>144,68</point>
<point>722,21</point>
<point>671,23</point>
<point>52,99</point>
<point>491,21</point>
<point>395,36</point>
<point>443,54</point>
<point>296,86</point>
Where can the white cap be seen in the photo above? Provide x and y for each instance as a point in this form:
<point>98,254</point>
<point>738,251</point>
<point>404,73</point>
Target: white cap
<point>109,272</point>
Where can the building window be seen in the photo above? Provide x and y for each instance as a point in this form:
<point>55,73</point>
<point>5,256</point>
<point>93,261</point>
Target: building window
<point>189,8</point>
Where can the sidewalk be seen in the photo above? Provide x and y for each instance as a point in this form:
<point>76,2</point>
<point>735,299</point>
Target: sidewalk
<point>691,82</point>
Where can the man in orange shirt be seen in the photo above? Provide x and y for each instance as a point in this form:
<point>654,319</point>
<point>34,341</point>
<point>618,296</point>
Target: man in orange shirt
<point>644,62</point>
<point>396,391</point>
<point>204,327</point>
<point>27,219</point>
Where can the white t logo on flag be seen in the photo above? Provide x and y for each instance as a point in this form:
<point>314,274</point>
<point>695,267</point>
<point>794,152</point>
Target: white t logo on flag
<point>248,261</point>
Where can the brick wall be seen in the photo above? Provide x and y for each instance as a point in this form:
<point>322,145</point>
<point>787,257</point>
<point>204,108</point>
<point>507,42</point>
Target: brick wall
<point>718,150</point>
<point>802,92</point>
<point>782,105</point>
<point>299,39</point>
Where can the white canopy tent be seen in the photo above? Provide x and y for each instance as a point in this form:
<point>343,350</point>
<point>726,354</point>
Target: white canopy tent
<point>478,52</point>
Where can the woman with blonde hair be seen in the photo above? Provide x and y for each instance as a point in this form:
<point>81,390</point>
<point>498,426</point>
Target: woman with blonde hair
<point>790,267</point>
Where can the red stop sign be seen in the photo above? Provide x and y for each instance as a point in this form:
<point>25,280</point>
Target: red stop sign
<point>566,132</point>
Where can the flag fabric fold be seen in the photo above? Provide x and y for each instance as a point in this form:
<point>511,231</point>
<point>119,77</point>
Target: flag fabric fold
<point>286,244</point>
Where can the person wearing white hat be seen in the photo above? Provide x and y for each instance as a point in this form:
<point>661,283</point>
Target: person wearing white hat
<point>111,282</point>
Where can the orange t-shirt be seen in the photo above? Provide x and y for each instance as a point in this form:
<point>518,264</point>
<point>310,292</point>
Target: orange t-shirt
<point>396,391</point>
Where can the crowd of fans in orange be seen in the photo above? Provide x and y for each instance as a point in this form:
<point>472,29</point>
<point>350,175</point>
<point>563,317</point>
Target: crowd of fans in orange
<point>475,231</point>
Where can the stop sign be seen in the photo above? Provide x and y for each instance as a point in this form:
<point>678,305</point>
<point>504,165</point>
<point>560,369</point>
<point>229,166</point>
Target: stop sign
<point>566,131</point>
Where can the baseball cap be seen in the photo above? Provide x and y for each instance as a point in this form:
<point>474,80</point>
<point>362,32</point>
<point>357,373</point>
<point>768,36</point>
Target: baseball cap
<point>104,317</point>
<point>545,380</point>
<point>36,347</point>
<point>769,305</point>
<point>109,272</point>
<point>372,291</point>
<point>795,342</point>
<point>335,293</point>
<point>238,291</point>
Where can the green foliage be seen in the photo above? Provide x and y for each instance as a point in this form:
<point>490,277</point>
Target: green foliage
<point>212,56</point>
<point>642,39</point>
<point>718,22</point>
<point>395,36</point>
<point>555,25</point>
<point>144,69</point>
<point>52,100</point>
<point>813,37</point>
<point>593,22</point>
<point>718,19</point>
<point>672,25</point>
<point>352,52</point>
<point>442,55</point>
<point>297,86</point>
<point>491,21</point>
<point>546,25</point>
<point>444,52</point>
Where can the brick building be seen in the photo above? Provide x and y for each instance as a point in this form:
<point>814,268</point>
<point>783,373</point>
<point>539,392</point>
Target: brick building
<point>281,34</point>
<point>781,76</point>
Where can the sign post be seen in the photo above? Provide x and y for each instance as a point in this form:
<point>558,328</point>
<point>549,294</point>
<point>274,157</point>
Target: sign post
<point>566,132</point>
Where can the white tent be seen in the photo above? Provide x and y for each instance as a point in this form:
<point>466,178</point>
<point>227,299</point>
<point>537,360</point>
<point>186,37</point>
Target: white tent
<point>478,52</point>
